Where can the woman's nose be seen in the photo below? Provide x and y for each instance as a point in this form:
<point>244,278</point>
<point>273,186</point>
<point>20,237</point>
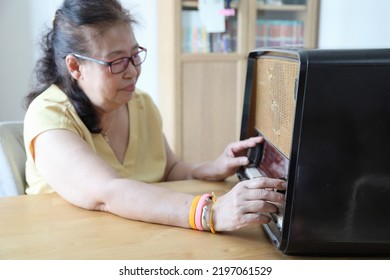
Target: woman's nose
<point>131,70</point>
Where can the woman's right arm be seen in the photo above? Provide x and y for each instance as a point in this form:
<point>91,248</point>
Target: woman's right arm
<point>76,173</point>
<point>81,177</point>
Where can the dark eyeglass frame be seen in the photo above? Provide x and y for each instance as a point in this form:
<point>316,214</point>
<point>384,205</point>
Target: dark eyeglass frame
<point>110,63</point>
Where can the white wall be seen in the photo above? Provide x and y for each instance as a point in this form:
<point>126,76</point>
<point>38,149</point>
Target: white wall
<point>145,12</point>
<point>15,57</point>
<point>354,24</point>
<point>343,23</point>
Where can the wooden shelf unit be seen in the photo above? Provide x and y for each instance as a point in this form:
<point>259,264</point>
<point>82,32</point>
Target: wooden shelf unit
<point>200,94</point>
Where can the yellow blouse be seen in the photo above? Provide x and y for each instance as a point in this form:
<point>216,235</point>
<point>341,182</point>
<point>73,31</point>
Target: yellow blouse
<point>145,158</point>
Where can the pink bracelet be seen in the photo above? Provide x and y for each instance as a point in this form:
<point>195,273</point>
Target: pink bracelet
<point>199,209</point>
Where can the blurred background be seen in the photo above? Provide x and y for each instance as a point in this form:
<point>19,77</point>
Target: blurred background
<point>342,24</point>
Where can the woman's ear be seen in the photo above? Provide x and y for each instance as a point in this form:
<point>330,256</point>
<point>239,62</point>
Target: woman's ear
<point>73,66</point>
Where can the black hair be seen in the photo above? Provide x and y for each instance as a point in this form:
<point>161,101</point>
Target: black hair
<point>76,26</point>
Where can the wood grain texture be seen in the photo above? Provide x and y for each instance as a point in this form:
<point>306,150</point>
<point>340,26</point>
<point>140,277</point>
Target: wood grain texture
<point>47,227</point>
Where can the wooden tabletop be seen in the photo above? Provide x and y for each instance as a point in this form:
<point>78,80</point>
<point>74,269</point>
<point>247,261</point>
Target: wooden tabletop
<point>47,227</point>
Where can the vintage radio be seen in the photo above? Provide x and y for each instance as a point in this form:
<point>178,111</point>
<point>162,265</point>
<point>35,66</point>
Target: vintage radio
<point>325,118</point>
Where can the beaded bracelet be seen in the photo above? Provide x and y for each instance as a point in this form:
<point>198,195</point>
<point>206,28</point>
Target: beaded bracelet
<point>191,215</point>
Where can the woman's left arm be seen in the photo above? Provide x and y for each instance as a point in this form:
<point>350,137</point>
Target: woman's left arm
<point>233,157</point>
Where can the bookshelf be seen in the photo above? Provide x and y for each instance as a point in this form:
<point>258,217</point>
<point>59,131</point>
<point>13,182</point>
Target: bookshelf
<point>202,76</point>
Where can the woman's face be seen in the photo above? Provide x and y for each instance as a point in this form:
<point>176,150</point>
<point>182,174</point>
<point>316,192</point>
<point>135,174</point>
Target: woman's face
<point>105,90</point>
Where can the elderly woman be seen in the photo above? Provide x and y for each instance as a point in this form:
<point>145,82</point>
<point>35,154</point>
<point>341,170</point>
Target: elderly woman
<point>97,140</point>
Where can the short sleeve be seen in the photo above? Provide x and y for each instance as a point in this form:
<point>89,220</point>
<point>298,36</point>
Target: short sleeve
<point>51,110</point>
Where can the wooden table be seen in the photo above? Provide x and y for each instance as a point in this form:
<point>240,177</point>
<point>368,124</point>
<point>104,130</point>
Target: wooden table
<point>47,227</point>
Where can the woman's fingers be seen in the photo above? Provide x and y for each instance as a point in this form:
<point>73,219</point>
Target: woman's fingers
<point>259,195</point>
<point>263,194</point>
<point>265,183</point>
<point>240,146</point>
<point>256,218</point>
<point>259,207</point>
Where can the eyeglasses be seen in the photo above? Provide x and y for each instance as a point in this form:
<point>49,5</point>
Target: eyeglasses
<point>119,65</point>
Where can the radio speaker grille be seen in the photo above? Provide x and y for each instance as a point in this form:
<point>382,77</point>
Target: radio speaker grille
<point>275,100</point>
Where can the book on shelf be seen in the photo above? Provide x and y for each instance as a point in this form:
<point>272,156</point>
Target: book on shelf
<point>195,38</point>
<point>275,33</point>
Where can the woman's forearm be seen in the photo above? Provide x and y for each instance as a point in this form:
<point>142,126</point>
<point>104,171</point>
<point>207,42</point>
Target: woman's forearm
<point>140,201</point>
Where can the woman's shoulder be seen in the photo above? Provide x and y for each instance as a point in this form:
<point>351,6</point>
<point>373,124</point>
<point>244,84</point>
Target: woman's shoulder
<point>52,96</point>
<point>51,109</point>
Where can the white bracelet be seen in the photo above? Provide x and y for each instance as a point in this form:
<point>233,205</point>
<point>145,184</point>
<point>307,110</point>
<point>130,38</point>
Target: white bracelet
<point>205,226</point>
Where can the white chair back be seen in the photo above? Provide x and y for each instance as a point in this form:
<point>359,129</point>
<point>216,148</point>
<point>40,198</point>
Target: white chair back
<point>12,159</point>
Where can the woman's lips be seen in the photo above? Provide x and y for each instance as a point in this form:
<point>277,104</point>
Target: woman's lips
<point>129,88</point>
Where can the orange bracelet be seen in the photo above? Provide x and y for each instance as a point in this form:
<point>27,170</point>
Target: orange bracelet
<point>191,216</point>
<point>214,198</point>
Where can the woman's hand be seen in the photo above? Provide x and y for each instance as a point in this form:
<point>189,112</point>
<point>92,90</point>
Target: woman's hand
<point>249,202</point>
<point>227,164</point>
